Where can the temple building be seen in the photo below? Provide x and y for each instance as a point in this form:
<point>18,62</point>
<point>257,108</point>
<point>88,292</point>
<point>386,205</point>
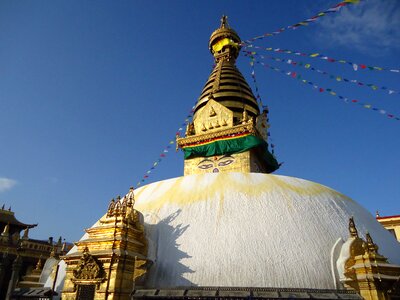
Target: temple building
<point>22,258</point>
<point>391,223</point>
<point>228,228</point>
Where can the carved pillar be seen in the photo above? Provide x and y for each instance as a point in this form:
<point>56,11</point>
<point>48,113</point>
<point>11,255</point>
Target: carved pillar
<point>16,267</point>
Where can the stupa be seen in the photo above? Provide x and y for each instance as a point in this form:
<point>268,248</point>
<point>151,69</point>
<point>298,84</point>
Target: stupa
<point>228,228</point>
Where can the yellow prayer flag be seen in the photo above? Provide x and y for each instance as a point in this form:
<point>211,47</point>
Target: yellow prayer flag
<point>367,106</point>
<point>352,1</point>
<point>307,66</point>
<point>314,54</point>
<point>338,78</point>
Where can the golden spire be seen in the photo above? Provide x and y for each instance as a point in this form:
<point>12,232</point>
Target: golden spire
<point>226,85</point>
<point>228,133</point>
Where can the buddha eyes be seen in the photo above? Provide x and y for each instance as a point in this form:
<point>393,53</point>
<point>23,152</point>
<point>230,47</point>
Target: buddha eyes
<point>205,166</point>
<point>221,162</point>
<point>225,162</point>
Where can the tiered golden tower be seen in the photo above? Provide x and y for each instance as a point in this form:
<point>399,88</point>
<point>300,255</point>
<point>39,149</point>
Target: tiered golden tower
<point>228,132</point>
<point>113,259</point>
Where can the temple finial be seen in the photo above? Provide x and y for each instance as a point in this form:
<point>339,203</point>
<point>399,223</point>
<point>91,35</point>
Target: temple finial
<point>352,228</point>
<point>224,22</point>
<point>371,246</point>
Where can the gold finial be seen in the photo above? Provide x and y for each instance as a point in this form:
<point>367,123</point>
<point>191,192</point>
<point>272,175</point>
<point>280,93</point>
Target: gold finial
<point>245,117</point>
<point>224,22</point>
<point>352,228</point>
<point>39,264</point>
<point>371,246</point>
<point>111,206</point>
<point>130,197</point>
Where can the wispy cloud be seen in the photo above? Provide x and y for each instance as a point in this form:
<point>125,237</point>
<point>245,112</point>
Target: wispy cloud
<point>371,26</point>
<point>6,184</point>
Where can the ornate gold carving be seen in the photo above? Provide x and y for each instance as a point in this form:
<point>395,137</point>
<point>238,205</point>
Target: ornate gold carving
<point>88,269</point>
<point>212,112</point>
<point>245,117</point>
<point>243,128</point>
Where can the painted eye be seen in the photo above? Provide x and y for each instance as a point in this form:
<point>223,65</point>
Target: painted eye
<point>205,166</point>
<point>225,162</point>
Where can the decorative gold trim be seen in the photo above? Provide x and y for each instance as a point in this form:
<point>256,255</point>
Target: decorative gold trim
<point>242,128</point>
<point>88,271</point>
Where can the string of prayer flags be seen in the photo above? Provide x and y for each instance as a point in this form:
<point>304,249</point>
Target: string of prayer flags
<point>331,76</point>
<point>305,22</point>
<point>166,149</point>
<point>354,66</point>
<point>264,107</point>
<point>253,76</point>
<point>329,91</point>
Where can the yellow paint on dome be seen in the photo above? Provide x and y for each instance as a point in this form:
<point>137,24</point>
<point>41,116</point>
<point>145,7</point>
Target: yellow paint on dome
<point>201,187</point>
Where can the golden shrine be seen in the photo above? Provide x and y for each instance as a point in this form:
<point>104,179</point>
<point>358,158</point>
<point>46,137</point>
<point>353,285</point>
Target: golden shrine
<point>112,260</point>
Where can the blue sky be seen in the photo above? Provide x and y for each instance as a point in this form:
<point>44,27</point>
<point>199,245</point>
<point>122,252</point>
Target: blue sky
<point>91,92</point>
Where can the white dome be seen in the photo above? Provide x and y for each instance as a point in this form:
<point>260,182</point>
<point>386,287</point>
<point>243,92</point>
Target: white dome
<point>247,229</point>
